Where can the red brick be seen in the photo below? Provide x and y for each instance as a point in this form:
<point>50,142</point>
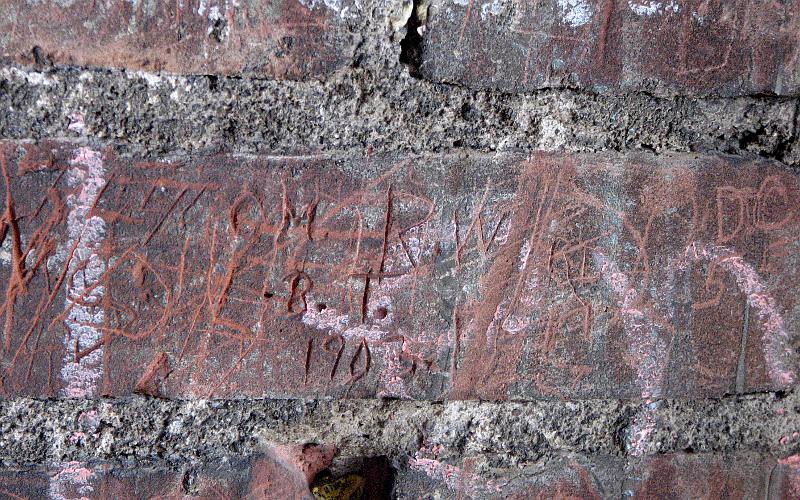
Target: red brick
<point>424,277</point>
<point>726,47</point>
<point>679,476</point>
<point>276,39</point>
<point>705,476</point>
<point>786,478</point>
<point>258,477</point>
<point>264,476</point>
<point>675,476</point>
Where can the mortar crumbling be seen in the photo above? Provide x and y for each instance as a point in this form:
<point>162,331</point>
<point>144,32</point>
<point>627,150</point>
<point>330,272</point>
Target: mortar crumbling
<point>358,111</point>
<point>376,99</point>
<point>501,435</point>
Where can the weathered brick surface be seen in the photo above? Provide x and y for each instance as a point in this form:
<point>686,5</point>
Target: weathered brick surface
<point>726,47</point>
<point>260,477</point>
<point>279,39</point>
<point>676,476</point>
<point>419,277</point>
<point>270,475</point>
<point>671,476</point>
<point>787,480</point>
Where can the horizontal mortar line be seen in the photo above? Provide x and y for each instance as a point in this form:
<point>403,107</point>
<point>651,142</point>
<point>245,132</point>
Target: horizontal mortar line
<point>531,469</point>
<point>776,395</point>
<point>176,432</point>
<point>544,90</point>
<point>619,93</point>
<point>74,72</point>
<point>140,151</point>
<point>137,151</point>
<point>66,91</point>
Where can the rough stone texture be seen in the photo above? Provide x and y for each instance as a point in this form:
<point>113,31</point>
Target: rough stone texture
<point>728,48</point>
<point>471,448</point>
<point>361,112</point>
<point>626,301</point>
<point>677,476</point>
<point>252,478</point>
<point>279,39</point>
<point>415,277</point>
<point>690,46</point>
<point>494,436</point>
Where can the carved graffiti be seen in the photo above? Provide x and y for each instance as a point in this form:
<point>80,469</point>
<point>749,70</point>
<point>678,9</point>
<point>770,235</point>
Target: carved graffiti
<point>225,275</point>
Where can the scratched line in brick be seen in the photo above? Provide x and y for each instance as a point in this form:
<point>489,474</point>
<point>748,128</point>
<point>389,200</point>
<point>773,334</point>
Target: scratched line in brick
<point>224,276</point>
<point>689,46</point>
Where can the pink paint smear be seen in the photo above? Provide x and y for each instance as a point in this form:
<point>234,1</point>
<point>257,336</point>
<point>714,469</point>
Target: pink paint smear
<point>777,351</point>
<point>645,346</point>
<point>72,478</point>
<point>85,268</point>
<point>453,477</point>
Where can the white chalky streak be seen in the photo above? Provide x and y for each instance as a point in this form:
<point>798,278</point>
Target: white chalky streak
<point>651,8</point>
<point>645,346</point>
<point>575,13</point>
<point>85,268</point>
<point>776,344</point>
<point>71,478</point>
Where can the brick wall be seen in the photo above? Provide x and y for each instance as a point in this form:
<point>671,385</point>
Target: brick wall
<point>368,249</point>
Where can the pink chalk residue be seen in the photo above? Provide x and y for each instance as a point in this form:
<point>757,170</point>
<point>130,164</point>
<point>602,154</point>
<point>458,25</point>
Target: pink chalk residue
<point>649,350</point>
<point>400,262</point>
<point>76,122</point>
<point>453,477</point>
<point>391,378</point>
<point>777,351</point>
<point>85,268</point>
<point>450,475</point>
<point>644,345</point>
<point>791,461</point>
<point>784,440</point>
<point>70,479</point>
<point>77,437</point>
<point>641,430</point>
